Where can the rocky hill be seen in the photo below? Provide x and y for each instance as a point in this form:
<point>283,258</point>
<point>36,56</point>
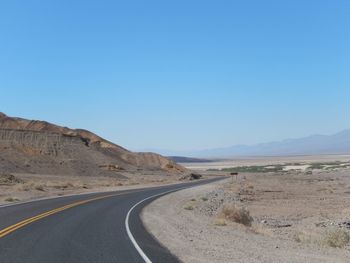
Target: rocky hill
<point>28,146</point>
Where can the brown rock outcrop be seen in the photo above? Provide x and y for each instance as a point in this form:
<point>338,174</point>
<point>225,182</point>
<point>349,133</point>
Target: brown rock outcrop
<point>42,147</point>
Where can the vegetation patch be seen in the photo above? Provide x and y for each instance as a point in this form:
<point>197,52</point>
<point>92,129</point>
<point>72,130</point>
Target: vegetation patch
<point>11,199</point>
<point>282,167</point>
<point>336,238</point>
<point>255,169</point>
<point>235,214</point>
<point>220,222</point>
<point>189,207</point>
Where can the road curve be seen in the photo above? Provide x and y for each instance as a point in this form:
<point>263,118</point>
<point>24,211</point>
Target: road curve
<point>100,227</point>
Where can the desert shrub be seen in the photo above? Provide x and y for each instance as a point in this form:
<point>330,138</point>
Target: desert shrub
<point>234,214</point>
<point>188,207</point>
<point>9,179</point>
<point>39,187</point>
<point>255,169</point>
<point>24,187</point>
<point>220,222</point>
<point>66,185</point>
<point>337,238</point>
<point>204,199</point>
<point>11,199</point>
<point>305,237</point>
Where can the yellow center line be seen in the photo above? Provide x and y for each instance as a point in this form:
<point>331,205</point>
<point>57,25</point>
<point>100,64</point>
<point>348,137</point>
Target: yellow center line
<point>30,220</point>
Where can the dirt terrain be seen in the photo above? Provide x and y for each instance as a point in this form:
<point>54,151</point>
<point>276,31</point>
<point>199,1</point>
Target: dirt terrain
<point>293,216</point>
<point>23,187</point>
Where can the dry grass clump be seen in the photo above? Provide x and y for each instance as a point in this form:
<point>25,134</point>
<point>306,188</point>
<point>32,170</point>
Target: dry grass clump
<point>189,207</point>
<point>235,214</point>
<point>39,187</point>
<point>336,238</point>
<point>261,229</point>
<point>303,237</point>
<point>9,179</point>
<point>24,187</point>
<point>220,222</point>
<point>11,199</point>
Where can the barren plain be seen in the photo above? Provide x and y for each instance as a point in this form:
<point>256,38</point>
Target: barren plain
<point>289,216</point>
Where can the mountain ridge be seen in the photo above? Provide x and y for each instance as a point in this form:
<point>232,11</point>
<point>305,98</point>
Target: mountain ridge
<point>338,143</point>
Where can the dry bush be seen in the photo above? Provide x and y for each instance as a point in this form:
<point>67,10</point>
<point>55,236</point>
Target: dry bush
<point>24,187</point>
<point>234,214</point>
<point>261,229</point>
<point>337,238</point>
<point>63,185</point>
<point>220,222</point>
<point>39,187</point>
<point>9,179</point>
<point>11,199</point>
<point>188,207</point>
<point>303,237</point>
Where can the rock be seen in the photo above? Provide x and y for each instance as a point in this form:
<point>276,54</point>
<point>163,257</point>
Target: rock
<point>191,176</point>
<point>345,224</point>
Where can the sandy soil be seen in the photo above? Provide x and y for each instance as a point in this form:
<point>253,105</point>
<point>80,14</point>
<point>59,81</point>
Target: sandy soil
<point>298,217</point>
<point>23,187</point>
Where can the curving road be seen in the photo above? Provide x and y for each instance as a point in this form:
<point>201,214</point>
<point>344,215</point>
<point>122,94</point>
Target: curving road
<point>101,227</point>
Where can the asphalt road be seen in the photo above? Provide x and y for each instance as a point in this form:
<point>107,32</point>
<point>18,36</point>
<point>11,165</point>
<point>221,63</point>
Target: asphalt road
<point>103,227</point>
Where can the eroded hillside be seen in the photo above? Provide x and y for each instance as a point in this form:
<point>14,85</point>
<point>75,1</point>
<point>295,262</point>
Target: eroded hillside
<point>40,147</point>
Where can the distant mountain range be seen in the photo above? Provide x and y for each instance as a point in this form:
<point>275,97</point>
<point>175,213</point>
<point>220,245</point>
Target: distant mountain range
<point>312,145</point>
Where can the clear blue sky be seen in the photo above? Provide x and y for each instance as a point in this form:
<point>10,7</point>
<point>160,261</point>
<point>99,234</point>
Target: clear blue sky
<point>178,74</point>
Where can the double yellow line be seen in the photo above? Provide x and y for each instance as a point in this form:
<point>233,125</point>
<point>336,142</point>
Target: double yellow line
<point>28,221</point>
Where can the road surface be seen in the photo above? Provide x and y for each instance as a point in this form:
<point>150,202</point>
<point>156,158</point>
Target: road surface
<point>100,227</point>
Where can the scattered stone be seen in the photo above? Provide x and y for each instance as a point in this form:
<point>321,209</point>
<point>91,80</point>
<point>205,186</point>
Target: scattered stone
<point>216,199</point>
<point>191,177</point>
<point>285,225</point>
<point>345,224</point>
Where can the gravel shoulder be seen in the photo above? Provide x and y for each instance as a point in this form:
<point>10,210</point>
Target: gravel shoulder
<point>296,219</point>
<point>24,187</point>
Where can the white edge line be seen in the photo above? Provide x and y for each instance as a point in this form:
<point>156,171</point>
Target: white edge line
<point>134,242</point>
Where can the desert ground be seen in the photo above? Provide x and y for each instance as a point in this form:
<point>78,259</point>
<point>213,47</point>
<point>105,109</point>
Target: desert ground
<point>296,215</point>
<point>17,187</point>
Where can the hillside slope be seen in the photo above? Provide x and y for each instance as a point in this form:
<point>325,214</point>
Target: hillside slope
<point>28,146</point>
